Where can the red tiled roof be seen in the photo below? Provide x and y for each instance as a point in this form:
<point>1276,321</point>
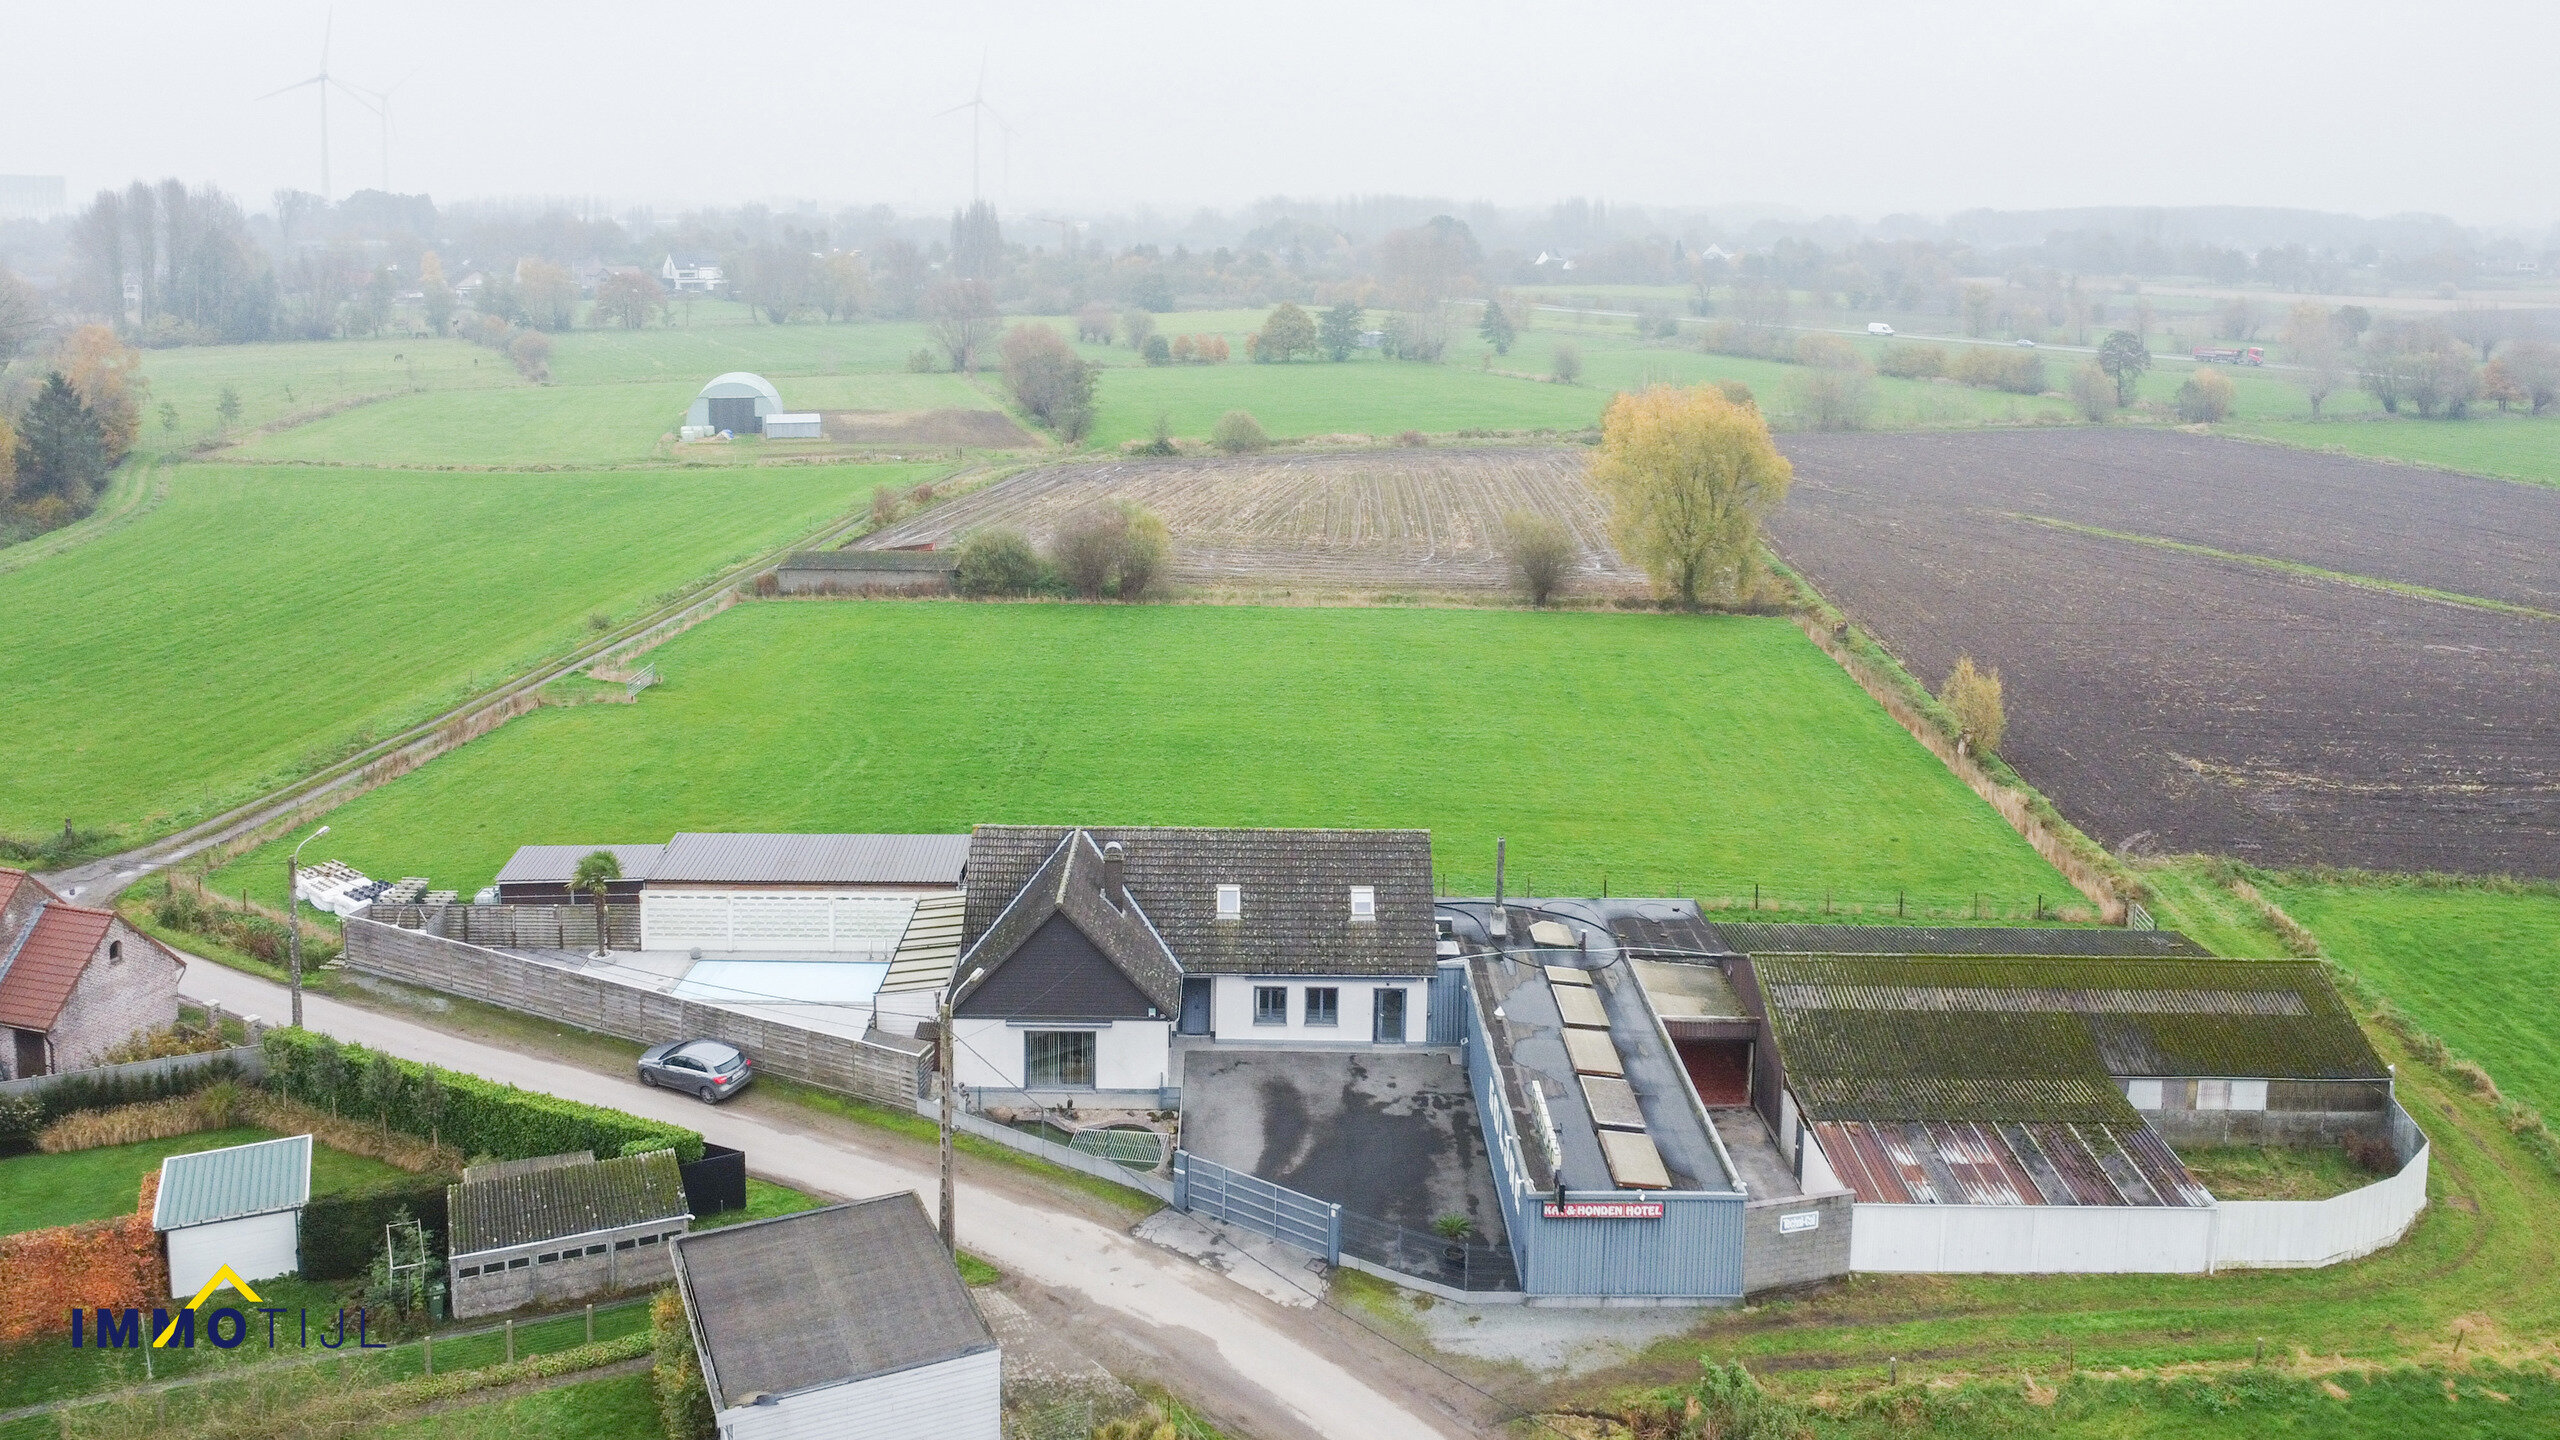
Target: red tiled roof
<point>13,881</point>
<point>56,948</point>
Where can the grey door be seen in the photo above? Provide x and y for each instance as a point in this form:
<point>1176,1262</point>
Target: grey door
<point>1196,990</point>
<point>735,414</point>
<point>30,1056</point>
<point>1389,1009</point>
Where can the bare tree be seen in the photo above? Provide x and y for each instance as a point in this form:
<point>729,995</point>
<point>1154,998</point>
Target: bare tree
<point>960,318</point>
<point>1541,553</point>
<point>2311,338</point>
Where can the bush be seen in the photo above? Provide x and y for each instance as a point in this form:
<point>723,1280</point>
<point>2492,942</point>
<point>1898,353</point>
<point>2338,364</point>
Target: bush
<point>2204,398</point>
<point>476,1116</point>
<point>1567,365</point>
<point>1157,350</point>
<point>1834,399</point>
<point>1238,432</point>
<point>1913,362</point>
<point>216,1107</point>
<point>531,352</point>
<point>1110,548</point>
<point>1828,352</point>
<point>1737,392</point>
<point>2093,392</point>
<point>923,361</point>
<point>342,1234</point>
<point>1991,367</point>
<point>106,1264</point>
<point>1045,374</point>
<point>1412,439</point>
<point>997,562</point>
<point>1541,552</point>
<point>20,1118</point>
<point>260,937</point>
<point>675,1372</point>
<point>1759,342</point>
<point>103,1092</point>
<point>1973,697</point>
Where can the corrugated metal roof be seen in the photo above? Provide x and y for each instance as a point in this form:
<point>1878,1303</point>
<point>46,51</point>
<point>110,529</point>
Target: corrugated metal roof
<point>502,1169</point>
<point>556,864</point>
<point>1757,938</point>
<point>753,859</point>
<point>929,948</point>
<point>1978,1163</point>
<point>529,1207</point>
<point>825,1297</point>
<point>228,1184</point>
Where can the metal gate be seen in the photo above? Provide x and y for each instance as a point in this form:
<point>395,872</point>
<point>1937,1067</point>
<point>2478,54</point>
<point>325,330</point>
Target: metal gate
<point>1448,1005</point>
<point>1207,1188</point>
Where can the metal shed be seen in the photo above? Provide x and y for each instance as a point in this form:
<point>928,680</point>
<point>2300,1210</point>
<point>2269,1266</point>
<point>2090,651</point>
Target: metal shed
<point>736,402</point>
<point>239,1206</point>
<point>798,425</point>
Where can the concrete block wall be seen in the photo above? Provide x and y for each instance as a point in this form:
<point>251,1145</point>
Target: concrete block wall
<point>1774,1258</point>
<point>496,1292</point>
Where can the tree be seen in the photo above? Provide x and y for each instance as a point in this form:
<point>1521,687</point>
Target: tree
<point>1973,697</point>
<point>1112,547</point>
<point>549,295</point>
<point>1286,333</point>
<point>1496,326</point>
<point>106,374</point>
<point>2311,338</point>
<point>169,419</point>
<point>595,876</point>
<point>1338,333</point>
<point>2093,394</point>
<point>996,562</point>
<point>1828,399</point>
<point>1047,377</point>
<point>1158,350</point>
<point>843,285</point>
<point>977,242</point>
<point>1238,432</point>
<point>960,318</point>
<point>61,452</point>
<point>1690,476</point>
<point>227,406</point>
<point>2532,368</point>
<point>2124,357</point>
<point>1566,367</point>
<point>1137,325</point>
<point>629,298</point>
<point>21,315</point>
<point>2205,397</point>
<point>1541,552</point>
<point>435,293</point>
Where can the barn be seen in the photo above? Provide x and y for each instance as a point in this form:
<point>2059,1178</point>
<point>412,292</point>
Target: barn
<point>736,402</point>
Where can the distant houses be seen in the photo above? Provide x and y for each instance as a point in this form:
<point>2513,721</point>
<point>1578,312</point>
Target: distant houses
<point>691,271</point>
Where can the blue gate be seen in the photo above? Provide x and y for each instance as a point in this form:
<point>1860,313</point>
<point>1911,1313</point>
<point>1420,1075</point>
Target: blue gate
<point>1211,1190</point>
<point>1448,1005</point>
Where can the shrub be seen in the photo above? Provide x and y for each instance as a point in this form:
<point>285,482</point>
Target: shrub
<point>675,1372</point>
<point>531,352</point>
<point>1913,362</point>
<point>1737,392</point>
<point>1110,548</point>
<point>1238,432</point>
<point>885,509</point>
<point>1991,367</point>
<point>216,1107</point>
<point>20,1118</point>
<point>2203,398</point>
<point>2093,392</point>
<point>2370,1153</point>
<point>162,1043</point>
<point>1412,439</point>
<point>106,1264</point>
<point>1157,350</point>
<point>1973,697</point>
<point>1828,352</point>
<point>1760,342</point>
<point>997,562</point>
<point>342,1234</point>
<point>106,1092</point>
<point>477,1117</point>
<point>923,361</point>
<point>767,585</point>
<point>1566,367</point>
<point>1045,374</point>
<point>1834,399</point>
<point>1541,552</point>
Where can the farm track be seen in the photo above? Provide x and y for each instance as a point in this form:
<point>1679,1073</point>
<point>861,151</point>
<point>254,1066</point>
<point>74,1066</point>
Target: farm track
<point>2172,699</point>
<point>1369,519</point>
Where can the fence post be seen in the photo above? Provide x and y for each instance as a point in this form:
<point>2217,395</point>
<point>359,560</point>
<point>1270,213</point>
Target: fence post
<point>591,1322</point>
<point>429,1349</point>
<point>1333,1237</point>
<point>511,1342</point>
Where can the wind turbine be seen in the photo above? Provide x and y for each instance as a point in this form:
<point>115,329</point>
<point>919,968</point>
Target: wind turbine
<point>977,106</point>
<point>382,111</point>
<point>324,80</point>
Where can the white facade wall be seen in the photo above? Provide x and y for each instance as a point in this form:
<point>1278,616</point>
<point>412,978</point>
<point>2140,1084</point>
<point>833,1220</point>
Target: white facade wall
<point>900,1012</point>
<point>1231,1015</point>
<point>2281,1234</point>
<point>256,1247</point>
<point>801,921</point>
<point>960,1399</point>
<point>1127,1054</point>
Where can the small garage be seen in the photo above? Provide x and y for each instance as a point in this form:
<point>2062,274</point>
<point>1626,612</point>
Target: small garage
<point>239,1206</point>
<point>800,425</point>
<point>737,402</point>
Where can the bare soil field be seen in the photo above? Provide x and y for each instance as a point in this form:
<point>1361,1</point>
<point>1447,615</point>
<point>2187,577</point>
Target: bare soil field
<point>2169,700</point>
<point>1392,519</point>
<point>976,429</point>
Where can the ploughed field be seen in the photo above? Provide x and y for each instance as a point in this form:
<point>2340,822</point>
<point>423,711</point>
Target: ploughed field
<point>2292,699</point>
<point>1418,519</point>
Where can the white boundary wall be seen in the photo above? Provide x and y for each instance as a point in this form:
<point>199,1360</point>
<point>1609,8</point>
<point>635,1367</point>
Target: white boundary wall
<point>2119,1239</point>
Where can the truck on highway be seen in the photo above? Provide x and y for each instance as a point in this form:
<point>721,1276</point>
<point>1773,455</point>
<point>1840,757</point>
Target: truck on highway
<point>2250,355</point>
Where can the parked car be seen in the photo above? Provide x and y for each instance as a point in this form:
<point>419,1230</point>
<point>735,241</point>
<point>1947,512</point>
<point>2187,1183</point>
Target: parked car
<point>1878,327</point>
<point>708,1070</point>
<point>2023,343</point>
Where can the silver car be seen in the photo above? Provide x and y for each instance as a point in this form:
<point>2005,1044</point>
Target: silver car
<point>708,1070</point>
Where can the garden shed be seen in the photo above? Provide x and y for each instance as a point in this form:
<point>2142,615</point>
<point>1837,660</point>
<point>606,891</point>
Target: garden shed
<point>561,1227</point>
<point>239,1206</point>
<point>736,402</point>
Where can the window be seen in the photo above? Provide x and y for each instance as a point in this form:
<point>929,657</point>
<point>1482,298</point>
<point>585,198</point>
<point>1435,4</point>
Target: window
<point>1270,1004</point>
<point>1364,902</point>
<point>115,952</point>
<point>1230,902</point>
<point>648,1239</point>
<point>624,1244</point>
<point>595,1249</point>
<point>1324,1005</point>
<point>468,1271</point>
<point>1057,1059</point>
<point>2213,1094</point>
<point>551,1258</point>
<point>2143,1094</point>
<point>2248,1094</point>
<point>519,1262</point>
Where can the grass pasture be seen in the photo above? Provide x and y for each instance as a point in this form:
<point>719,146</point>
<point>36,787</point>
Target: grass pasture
<point>1652,754</point>
<point>37,1191</point>
<point>261,618</point>
<point>2513,447</point>
<point>289,378</point>
<point>1369,397</point>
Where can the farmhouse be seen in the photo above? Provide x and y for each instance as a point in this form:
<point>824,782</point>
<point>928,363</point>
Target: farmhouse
<point>240,1206</point>
<point>691,272</point>
<point>841,1322</point>
<point>74,982</point>
<point>736,402</point>
<point>560,1227</point>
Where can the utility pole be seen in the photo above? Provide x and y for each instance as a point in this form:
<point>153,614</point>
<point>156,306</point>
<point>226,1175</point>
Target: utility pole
<point>293,909</point>
<point>942,1062</point>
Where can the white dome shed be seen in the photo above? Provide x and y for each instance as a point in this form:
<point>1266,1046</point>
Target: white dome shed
<point>736,402</point>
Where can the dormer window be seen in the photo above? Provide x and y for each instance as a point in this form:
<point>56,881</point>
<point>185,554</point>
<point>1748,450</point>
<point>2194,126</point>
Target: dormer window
<point>1230,902</point>
<point>1364,902</point>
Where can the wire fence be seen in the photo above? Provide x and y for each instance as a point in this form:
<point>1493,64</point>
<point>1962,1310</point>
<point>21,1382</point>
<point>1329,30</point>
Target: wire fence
<point>1466,1263</point>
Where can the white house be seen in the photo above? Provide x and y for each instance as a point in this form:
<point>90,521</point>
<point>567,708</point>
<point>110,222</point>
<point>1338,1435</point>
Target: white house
<point>240,1206</point>
<point>846,1323</point>
<point>1086,951</point>
<point>691,272</point>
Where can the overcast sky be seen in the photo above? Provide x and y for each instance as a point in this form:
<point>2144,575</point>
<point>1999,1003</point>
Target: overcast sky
<point>1863,109</point>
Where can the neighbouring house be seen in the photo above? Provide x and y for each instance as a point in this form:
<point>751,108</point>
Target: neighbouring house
<point>540,874</point>
<point>240,1206</point>
<point>820,572</point>
<point>1085,951</point>
<point>736,402</point>
<point>846,1323</point>
<point>691,272</point>
<point>74,982</point>
<point>560,1227</point>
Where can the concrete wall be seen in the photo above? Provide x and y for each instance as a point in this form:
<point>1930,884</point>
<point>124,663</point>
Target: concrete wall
<point>256,1247</point>
<point>114,999</point>
<point>960,1399</point>
<point>518,1276</point>
<point>888,1071</point>
<point>249,1060</point>
<point>1128,1054</point>
<point>2276,1234</point>
<point>1795,1241</point>
<point>1231,1015</point>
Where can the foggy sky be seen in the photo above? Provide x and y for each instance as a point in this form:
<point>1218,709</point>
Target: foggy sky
<point>1862,109</point>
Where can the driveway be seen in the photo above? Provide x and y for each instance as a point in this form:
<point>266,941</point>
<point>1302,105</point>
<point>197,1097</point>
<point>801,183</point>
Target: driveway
<point>1252,1364</point>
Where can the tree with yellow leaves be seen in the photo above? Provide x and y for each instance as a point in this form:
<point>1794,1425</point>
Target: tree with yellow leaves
<point>1689,475</point>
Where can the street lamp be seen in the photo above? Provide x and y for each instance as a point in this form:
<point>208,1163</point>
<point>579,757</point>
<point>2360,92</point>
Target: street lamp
<point>293,907</point>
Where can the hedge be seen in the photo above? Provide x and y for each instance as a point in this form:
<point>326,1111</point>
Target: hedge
<point>342,1234</point>
<point>104,1264</point>
<point>475,1116</point>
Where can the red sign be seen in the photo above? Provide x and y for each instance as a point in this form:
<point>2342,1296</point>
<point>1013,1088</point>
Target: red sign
<point>1604,1210</point>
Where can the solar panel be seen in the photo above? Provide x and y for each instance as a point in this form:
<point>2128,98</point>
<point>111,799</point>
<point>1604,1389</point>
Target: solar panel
<point>1567,975</point>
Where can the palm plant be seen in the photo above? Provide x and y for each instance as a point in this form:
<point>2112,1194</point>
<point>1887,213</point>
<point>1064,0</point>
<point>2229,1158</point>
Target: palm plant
<point>595,876</point>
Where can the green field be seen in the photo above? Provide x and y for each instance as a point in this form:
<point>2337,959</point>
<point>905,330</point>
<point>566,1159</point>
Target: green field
<point>617,1408</point>
<point>275,381</point>
<point>1368,397</point>
<point>260,619</point>
<point>41,1190</point>
<point>2518,447</point>
<point>1675,755</point>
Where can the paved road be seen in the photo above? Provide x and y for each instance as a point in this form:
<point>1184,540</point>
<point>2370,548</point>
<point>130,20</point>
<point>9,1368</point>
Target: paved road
<point>1289,1371</point>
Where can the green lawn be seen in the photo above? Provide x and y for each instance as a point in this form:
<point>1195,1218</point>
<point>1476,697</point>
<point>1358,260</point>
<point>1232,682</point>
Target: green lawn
<point>283,379</point>
<point>41,1190</point>
<point>2518,447</point>
<point>765,1200</point>
<point>262,618</point>
<point>619,1408</point>
<point>1677,755</point>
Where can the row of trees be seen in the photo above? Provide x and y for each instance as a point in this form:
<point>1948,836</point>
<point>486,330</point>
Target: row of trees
<point>1112,549</point>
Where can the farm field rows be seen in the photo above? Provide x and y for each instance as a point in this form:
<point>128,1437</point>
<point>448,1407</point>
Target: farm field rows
<point>2170,701</point>
<point>261,618</point>
<point>1682,755</point>
<point>1392,519</point>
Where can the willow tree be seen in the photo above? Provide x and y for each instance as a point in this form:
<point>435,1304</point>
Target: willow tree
<point>1689,474</point>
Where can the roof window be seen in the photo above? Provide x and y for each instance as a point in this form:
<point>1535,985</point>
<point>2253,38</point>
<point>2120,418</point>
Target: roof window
<point>1364,902</point>
<point>1230,902</point>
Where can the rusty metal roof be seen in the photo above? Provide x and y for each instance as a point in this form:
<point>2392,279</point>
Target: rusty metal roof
<point>1960,1162</point>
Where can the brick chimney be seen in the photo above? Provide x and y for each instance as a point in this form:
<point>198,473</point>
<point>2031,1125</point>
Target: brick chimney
<point>1115,875</point>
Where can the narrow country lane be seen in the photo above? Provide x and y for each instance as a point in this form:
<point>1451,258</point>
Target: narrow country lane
<point>1297,1379</point>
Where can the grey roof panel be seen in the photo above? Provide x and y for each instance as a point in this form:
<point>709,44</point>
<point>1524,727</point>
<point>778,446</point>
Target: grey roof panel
<point>531,1206</point>
<point>824,1297</point>
<point>555,864</point>
<point>922,561</point>
<point>1756,938</point>
<point>751,859</point>
<point>234,1182</point>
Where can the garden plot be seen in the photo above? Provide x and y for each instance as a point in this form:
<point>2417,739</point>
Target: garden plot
<point>1418,519</point>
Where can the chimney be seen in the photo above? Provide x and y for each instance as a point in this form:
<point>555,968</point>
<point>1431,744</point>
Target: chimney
<point>1115,875</point>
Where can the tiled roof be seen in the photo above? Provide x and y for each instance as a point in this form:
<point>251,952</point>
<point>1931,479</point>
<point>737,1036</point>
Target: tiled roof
<point>529,1207</point>
<point>232,1183</point>
<point>1759,938</point>
<point>1069,883</point>
<point>726,859</point>
<point>824,1297</point>
<point>43,963</point>
<point>2037,1038</point>
<point>556,864</point>
<point>1296,892</point>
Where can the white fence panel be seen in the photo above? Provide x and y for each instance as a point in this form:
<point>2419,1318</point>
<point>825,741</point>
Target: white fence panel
<point>2031,1239</point>
<point>2280,1234</point>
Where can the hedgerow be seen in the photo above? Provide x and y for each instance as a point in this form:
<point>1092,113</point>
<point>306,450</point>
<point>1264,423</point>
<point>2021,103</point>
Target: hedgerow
<point>474,1116</point>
